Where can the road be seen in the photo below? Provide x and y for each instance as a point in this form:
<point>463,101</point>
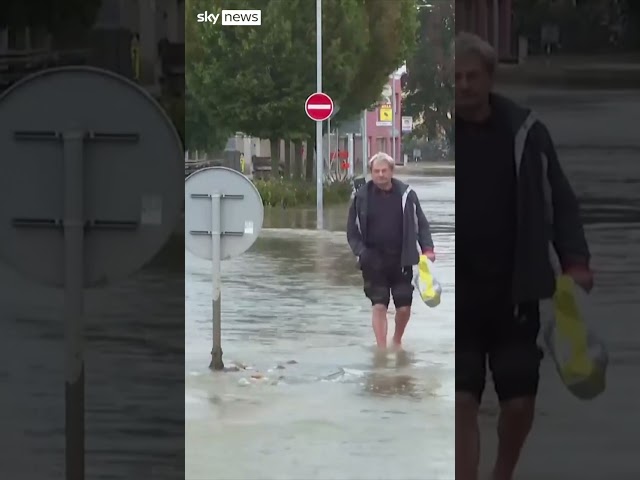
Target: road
<point>319,406</point>
<point>599,147</point>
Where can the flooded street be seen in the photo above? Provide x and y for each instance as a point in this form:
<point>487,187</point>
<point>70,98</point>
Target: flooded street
<point>312,403</point>
<point>134,333</point>
<point>598,145</point>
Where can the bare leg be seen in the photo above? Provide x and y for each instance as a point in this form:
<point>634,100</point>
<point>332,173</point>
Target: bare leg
<point>467,437</point>
<point>514,425</point>
<point>379,323</point>
<point>403,314</point>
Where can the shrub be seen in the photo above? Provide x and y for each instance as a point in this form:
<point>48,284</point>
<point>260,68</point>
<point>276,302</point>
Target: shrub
<point>285,193</point>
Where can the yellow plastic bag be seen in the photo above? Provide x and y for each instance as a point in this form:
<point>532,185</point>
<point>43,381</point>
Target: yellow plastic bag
<point>580,357</point>
<point>425,282</point>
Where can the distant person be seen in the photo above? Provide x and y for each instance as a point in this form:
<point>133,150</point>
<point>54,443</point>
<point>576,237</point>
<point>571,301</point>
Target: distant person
<point>386,226</point>
<point>505,225</point>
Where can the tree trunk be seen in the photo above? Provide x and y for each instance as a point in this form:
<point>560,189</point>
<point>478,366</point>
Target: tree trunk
<point>297,160</point>
<point>311,147</point>
<point>275,157</point>
<point>287,159</point>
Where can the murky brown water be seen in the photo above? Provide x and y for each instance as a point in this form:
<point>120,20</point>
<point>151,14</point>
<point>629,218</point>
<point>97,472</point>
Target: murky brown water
<point>335,413</point>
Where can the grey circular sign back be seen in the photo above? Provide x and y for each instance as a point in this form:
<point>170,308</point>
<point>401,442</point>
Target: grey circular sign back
<point>132,173</point>
<point>241,214</point>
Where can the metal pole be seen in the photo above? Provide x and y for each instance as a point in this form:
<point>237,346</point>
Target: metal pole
<point>319,155</point>
<point>365,144</point>
<point>351,153</point>
<point>329,141</point>
<point>216,281</point>
<point>393,116</point>
<point>74,303</point>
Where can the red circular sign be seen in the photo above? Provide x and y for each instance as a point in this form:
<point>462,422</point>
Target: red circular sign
<point>319,106</point>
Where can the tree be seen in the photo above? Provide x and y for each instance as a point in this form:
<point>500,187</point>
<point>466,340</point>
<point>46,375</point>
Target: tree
<point>255,80</point>
<point>390,34</point>
<point>429,81</point>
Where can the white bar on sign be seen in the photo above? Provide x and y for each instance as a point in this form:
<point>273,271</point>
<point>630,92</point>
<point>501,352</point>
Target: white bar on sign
<point>319,107</point>
<point>241,17</point>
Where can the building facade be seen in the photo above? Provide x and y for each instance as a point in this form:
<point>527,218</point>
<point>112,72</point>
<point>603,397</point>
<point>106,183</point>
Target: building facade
<point>491,20</point>
<point>384,124</point>
<point>384,128</point>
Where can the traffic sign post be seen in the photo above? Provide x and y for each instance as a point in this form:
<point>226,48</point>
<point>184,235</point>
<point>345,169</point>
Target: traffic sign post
<point>223,218</point>
<point>319,107</point>
<point>319,143</point>
<point>365,144</point>
<point>351,156</point>
<point>116,203</point>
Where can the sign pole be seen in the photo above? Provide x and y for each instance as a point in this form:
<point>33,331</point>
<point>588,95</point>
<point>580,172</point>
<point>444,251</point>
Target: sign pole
<point>365,144</point>
<point>329,142</point>
<point>393,116</point>
<point>73,303</point>
<point>216,280</point>
<point>231,208</point>
<point>319,153</point>
<point>72,260</point>
<point>351,154</point>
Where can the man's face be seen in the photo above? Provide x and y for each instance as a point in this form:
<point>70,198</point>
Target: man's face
<point>381,174</point>
<point>473,82</point>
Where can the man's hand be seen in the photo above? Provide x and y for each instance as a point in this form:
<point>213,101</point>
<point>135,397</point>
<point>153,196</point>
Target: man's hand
<point>369,258</point>
<point>430,254</point>
<point>582,276</point>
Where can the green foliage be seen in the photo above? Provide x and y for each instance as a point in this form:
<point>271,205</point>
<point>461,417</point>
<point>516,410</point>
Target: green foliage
<point>429,82</point>
<point>390,34</point>
<point>256,79</point>
<point>298,193</point>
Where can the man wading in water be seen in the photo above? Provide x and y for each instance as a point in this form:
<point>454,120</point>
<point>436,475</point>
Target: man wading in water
<point>385,226</point>
<point>512,202</point>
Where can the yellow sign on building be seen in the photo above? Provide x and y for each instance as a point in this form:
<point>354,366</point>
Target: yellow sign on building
<point>385,116</point>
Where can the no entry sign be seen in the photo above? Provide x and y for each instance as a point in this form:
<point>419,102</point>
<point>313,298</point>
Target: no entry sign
<point>319,106</point>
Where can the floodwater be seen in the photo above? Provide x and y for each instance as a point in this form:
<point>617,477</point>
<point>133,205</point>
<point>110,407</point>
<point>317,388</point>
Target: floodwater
<point>313,403</point>
<point>599,147</point>
<point>134,333</point>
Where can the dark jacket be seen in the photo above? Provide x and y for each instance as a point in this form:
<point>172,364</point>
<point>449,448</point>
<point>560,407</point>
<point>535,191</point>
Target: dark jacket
<point>417,234</point>
<point>549,225</point>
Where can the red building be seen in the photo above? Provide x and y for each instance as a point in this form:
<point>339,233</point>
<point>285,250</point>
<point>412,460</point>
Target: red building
<point>490,19</point>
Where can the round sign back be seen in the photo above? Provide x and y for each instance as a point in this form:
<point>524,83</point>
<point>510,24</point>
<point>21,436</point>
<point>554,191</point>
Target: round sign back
<point>241,212</point>
<point>130,162</point>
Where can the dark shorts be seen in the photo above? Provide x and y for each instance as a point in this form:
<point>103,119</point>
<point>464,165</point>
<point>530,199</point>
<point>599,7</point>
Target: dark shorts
<point>386,278</point>
<point>505,338</point>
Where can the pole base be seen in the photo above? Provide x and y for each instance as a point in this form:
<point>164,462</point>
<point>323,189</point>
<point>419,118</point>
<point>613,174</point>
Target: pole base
<point>216,360</point>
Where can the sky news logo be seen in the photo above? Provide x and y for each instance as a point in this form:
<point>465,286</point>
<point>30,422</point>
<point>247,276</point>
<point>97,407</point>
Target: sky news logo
<point>232,17</point>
